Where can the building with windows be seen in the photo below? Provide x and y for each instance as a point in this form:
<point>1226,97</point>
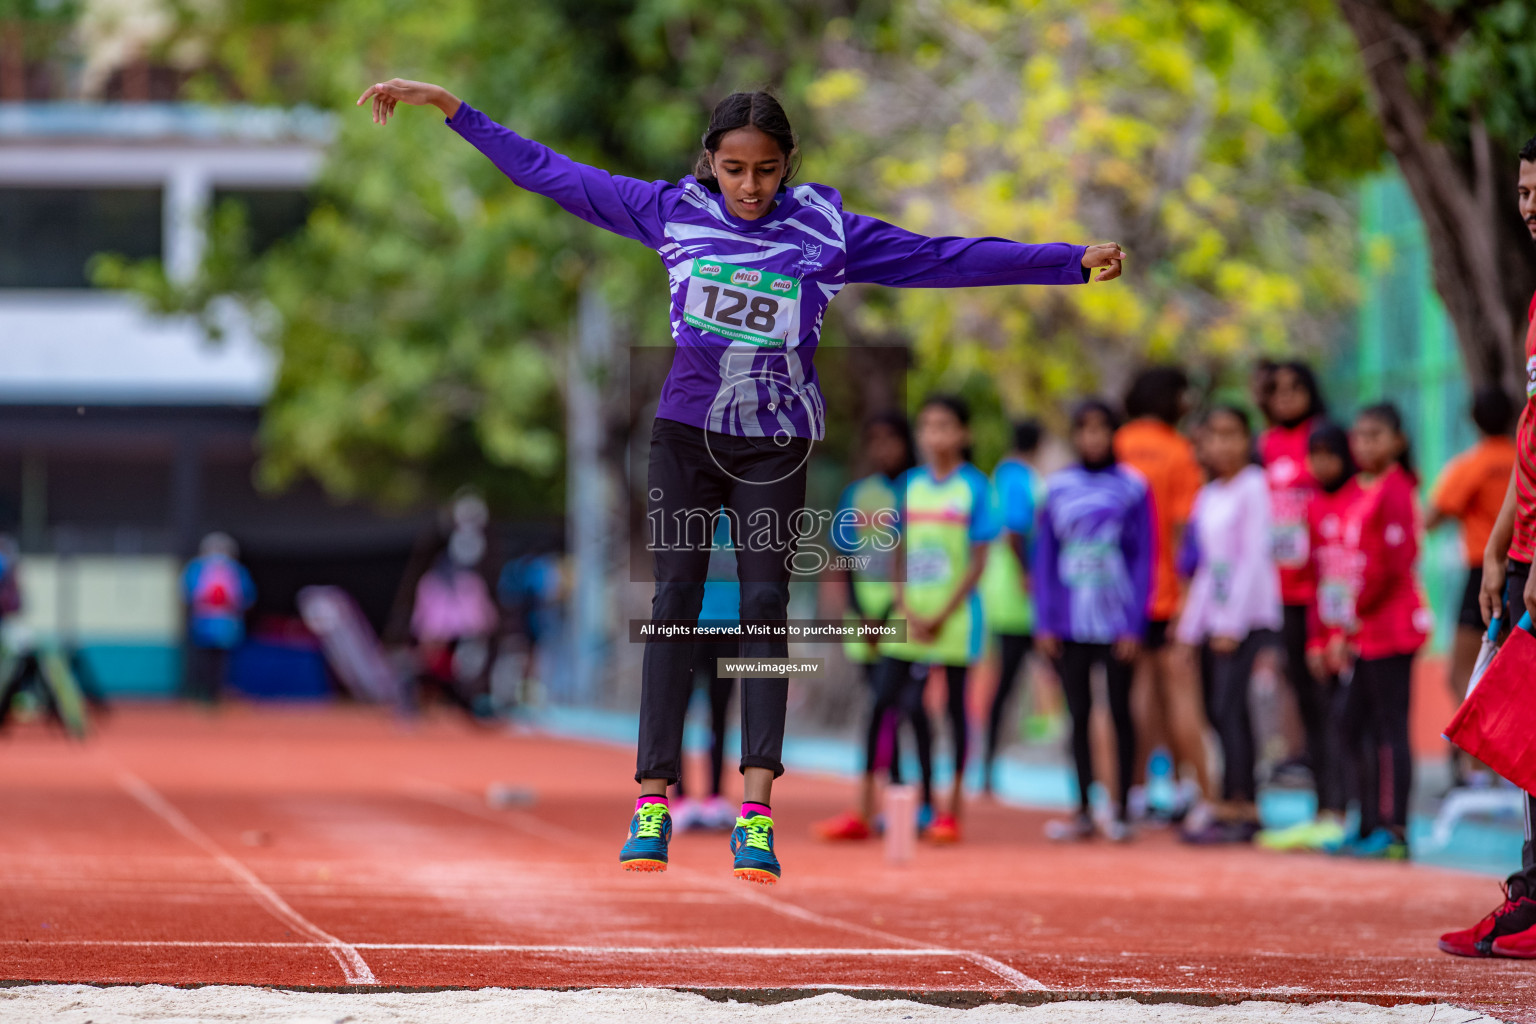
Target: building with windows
<point>124,437</point>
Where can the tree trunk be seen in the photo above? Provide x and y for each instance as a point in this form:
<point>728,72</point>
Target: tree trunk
<point>13,63</point>
<point>1483,259</point>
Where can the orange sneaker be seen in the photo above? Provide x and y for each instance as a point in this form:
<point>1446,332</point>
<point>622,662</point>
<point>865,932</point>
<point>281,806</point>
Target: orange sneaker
<point>846,827</point>
<point>945,829</point>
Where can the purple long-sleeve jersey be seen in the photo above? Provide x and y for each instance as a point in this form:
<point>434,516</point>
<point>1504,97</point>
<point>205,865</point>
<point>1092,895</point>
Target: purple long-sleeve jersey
<point>748,296</point>
<point>1092,562</point>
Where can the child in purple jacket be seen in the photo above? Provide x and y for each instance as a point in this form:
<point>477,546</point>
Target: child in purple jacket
<point>1093,576</point>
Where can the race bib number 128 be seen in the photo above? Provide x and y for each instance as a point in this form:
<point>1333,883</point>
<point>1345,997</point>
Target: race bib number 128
<point>742,303</point>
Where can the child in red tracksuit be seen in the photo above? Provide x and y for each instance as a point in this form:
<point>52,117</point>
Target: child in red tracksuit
<point>1379,537</point>
<point>1335,572</point>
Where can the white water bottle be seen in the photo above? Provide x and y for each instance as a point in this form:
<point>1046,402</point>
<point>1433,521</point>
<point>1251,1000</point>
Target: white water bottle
<point>900,823</point>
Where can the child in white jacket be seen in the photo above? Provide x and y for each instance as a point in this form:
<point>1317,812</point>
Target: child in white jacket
<point>1233,607</point>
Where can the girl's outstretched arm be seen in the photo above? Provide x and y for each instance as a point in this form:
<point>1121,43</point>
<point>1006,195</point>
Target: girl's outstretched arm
<point>883,253</point>
<point>626,206</point>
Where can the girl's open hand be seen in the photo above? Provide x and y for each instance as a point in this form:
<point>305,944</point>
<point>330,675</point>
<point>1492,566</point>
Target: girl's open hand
<point>1108,256</point>
<point>386,95</point>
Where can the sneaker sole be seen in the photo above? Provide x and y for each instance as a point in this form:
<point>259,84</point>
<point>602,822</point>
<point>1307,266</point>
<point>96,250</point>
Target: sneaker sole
<point>1446,947</point>
<point>757,876</point>
<point>644,865</point>
<point>1512,954</point>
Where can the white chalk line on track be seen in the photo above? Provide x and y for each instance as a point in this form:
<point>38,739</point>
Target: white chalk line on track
<point>447,796</point>
<point>353,966</point>
<point>499,947</point>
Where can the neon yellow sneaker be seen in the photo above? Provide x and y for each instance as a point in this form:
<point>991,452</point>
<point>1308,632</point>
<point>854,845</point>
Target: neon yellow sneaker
<point>1309,836</point>
<point>650,830</point>
<point>752,843</point>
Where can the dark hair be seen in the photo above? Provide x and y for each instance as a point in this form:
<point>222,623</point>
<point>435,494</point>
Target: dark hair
<point>1157,391</point>
<point>1261,379</point>
<point>954,403</point>
<point>1316,405</point>
<point>758,110</point>
<point>1492,411</point>
<point>899,425</point>
<point>1387,414</point>
<point>1237,412</point>
<point>1528,151</point>
<point>960,409</point>
<point>1082,410</point>
<point>1329,437</point>
<point>1027,435</point>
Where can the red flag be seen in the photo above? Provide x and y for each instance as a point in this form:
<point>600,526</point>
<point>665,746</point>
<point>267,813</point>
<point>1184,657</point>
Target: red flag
<point>1497,722</point>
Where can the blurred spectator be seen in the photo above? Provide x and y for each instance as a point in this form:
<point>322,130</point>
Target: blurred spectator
<point>721,607</point>
<point>218,592</point>
<point>10,587</point>
<point>454,618</point>
<point>1471,490</point>
<point>1232,610</point>
<point>1005,585</point>
<point>1165,703</point>
<point>529,589</point>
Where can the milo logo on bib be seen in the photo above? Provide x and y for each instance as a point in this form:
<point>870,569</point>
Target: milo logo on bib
<point>742,303</point>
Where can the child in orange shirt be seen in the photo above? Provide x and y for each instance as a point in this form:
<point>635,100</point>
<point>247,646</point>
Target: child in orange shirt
<point>1471,490</point>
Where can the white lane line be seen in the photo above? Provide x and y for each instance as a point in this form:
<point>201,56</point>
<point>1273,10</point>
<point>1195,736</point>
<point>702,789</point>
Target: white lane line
<point>447,796</point>
<point>352,964</point>
<point>498,947</point>
<point>1018,979</point>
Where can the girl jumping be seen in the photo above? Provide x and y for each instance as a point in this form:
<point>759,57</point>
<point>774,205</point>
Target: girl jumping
<point>752,261</point>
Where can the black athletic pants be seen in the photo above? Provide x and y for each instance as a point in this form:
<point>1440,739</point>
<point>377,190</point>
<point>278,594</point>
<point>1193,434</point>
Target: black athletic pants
<point>878,723</point>
<point>1312,703</point>
<point>692,473</point>
<point>1378,759</point>
<point>207,673</point>
<point>705,658</point>
<point>899,685</point>
<point>1075,668</point>
<point>1231,676</point>
<point>1013,648</point>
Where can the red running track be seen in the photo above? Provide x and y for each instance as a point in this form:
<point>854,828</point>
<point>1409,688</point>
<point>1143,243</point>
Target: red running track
<point>331,847</point>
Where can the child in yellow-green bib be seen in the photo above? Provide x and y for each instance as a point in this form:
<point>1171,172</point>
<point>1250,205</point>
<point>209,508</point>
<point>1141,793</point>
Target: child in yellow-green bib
<point>948,518</point>
<point>864,533</point>
<point>1005,588</point>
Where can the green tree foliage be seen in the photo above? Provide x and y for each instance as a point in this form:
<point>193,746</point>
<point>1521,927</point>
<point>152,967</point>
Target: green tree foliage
<point>1454,85</point>
<point>422,313</point>
<point>1175,129</point>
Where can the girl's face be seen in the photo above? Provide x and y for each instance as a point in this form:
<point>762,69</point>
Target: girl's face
<point>1093,438</point>
<point>887,452</point>
<point>1289,400</point>
<point>941,437</point>
<point>1225,444</point>
<point>749,166</point>
<point>1326,467</point>
<point>1374,444</point>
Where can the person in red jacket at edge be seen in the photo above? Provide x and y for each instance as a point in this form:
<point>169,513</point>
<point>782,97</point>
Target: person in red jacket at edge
<point>1510,930</point>
<point>1294,404</point>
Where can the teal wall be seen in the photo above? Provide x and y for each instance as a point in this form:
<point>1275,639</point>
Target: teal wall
<point>1404,350</point>
<point>134,669</point>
